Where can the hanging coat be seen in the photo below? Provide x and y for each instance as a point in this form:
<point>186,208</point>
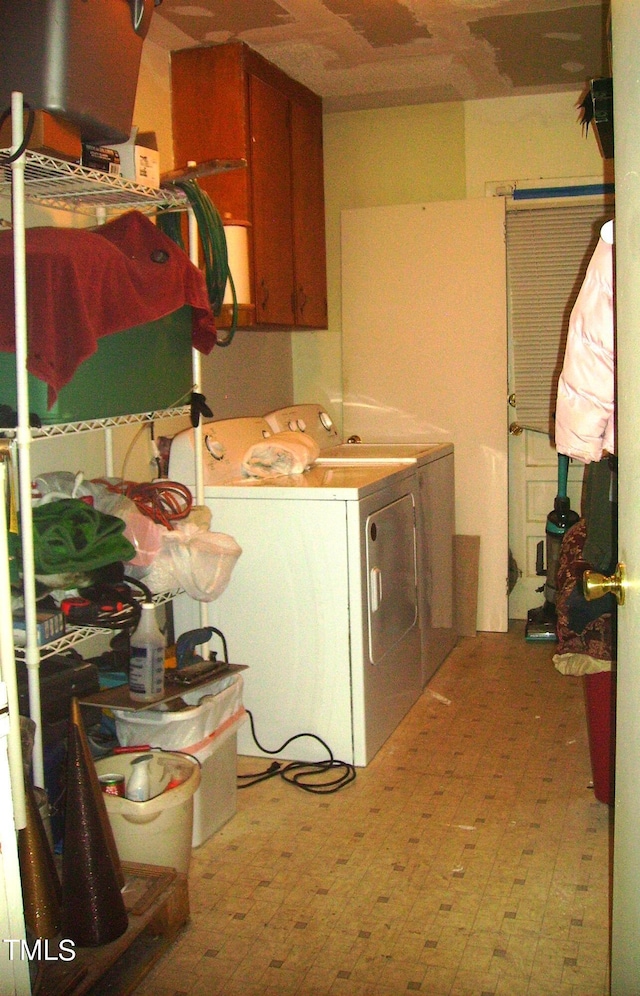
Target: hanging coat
<point>584,427</point>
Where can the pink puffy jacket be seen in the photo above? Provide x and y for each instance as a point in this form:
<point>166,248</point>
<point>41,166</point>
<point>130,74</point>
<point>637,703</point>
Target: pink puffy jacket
<point>585,404</point>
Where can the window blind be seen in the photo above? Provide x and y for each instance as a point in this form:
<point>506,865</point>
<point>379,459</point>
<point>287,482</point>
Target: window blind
<point>548,250</point>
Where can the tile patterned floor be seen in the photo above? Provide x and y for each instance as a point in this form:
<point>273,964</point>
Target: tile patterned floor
<point>470,858</point>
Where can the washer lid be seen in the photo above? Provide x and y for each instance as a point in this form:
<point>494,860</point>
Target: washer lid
<point>377,453</point>
<point>319,483</point>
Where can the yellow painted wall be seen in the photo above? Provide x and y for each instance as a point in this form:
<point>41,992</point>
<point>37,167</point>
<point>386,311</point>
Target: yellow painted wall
<point>522,138</point>
<point>390,156</point>
<point>152,110</point>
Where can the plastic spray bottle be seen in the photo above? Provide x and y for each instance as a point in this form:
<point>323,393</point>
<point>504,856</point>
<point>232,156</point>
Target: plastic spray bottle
<point>139,781</point>
<point>146,668</point>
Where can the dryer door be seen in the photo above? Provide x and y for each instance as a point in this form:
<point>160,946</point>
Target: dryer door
<point>392,576</point>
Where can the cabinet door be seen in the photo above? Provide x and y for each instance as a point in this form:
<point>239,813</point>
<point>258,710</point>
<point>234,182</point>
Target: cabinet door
<point>204,80</point>
<point>272,206</point>
<point>308,216</point>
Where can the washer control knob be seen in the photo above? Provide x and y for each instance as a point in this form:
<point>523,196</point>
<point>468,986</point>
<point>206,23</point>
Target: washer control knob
<point>215,448</point>
<point>325,421</point>
<point>301,424</point>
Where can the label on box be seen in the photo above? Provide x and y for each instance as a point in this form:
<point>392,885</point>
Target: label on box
<point>49,627</point>
<point>101,158</point>
<point>147,167</point>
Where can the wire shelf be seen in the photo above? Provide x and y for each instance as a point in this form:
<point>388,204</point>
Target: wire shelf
<point>56,183</point>
<point>78,634</point>
<point>89,425</point>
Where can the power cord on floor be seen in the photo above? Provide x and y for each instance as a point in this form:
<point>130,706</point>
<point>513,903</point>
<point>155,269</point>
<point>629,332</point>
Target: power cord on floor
<point>301,773</point>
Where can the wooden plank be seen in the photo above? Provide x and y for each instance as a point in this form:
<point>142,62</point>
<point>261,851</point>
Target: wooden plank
<point>143,885</point>
<point>157,901</point>
<point>119,698</point>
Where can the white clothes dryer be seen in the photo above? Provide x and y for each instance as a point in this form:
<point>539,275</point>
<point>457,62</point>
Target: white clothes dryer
<point>433,465</point>
<point>322,604</point>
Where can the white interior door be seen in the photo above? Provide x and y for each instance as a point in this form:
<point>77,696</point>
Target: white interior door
<point>425,355</point>
<point>625,954</point>
<point>14,970</point>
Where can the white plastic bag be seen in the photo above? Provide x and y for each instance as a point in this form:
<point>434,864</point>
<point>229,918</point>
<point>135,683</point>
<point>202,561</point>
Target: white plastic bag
<point>141,531</point>
<point>285,452</point>
<point>196,560</point>
<point>208,709</point>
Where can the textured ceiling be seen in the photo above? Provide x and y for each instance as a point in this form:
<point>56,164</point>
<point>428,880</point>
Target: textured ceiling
<point>361,54</point>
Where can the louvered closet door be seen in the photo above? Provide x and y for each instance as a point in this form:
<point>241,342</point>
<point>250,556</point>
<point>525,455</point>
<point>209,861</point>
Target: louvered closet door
<point>548,249</point>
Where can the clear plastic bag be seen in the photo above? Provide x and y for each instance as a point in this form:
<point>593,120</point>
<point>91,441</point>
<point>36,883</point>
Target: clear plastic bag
<point>57,484</point>
<point>199,561</point>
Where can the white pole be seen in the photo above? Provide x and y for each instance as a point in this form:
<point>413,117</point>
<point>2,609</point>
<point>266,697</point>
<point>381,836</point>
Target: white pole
<point>196,364</point>
<point>101,217</point>
<point>108,451</point>
<point>23,435</point>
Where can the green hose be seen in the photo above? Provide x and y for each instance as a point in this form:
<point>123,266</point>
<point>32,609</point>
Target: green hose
<point>563,473</point>
<point>214,249</point>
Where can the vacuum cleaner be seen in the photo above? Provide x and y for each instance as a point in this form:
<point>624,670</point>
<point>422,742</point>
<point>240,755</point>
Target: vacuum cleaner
<point>541,622</point>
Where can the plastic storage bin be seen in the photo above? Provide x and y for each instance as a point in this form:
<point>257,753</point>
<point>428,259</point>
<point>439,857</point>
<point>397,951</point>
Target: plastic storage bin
<point>115,380</point>
<point>159,831</point>
<point>215,802</point>
<point>207,732</point>
<point>600,701</point>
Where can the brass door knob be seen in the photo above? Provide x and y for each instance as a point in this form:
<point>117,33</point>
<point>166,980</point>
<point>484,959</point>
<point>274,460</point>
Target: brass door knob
<point>595,585</point>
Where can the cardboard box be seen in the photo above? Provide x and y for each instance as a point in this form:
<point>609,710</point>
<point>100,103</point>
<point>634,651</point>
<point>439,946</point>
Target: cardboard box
<point>49,627</point>
<point>100,158</point>
<point>139,158</point>
<point>51,136</point>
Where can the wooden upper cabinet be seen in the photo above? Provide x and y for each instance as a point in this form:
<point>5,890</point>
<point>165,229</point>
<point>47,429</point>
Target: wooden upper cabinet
<point>309,250</point>
<point>230,103</point>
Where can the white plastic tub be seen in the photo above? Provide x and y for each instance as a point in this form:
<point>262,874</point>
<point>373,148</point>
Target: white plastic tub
<point>215,802</point>
<point>212,706</point>
<point>159,831</point>
<point>208,732</point>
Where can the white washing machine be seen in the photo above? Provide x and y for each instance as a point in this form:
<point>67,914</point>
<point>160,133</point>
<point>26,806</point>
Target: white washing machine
<point>433,465</point>
<point>322,604</point>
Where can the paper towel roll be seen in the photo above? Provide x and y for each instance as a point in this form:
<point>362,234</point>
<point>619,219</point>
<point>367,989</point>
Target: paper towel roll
<point>238,255</point>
